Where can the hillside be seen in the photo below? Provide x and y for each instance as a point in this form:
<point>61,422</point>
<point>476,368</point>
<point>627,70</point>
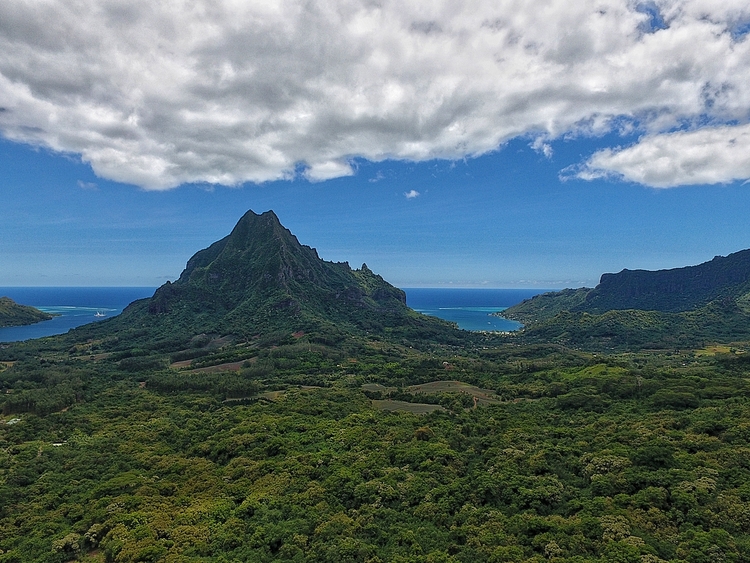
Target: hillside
<point>672,291</point>
<point>546,305</point>
<point>13,314</point>
<point>271,406</point>
<point>678,307</point>
<point>259,281</point>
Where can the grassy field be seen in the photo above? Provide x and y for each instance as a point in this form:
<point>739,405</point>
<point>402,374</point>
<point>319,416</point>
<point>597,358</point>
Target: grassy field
<point>377,388</point>
<point>230,366</point>
<point>271,395</point>
<point>718,349</point>
<point>403,406</point>
<point>483,396</point>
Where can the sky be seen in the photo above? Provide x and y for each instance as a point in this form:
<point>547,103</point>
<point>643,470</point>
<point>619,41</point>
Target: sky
<point>446,144</point>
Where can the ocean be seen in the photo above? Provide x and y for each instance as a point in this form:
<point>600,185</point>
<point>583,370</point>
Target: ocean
<point>469,308</point>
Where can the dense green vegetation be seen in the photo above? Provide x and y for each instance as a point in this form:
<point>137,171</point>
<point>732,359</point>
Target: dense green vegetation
<point>259,279</point>
<point>269,406</point>
<point>13,314</point>
<point>682,307</point>
<point>584,457</point>
<point>636,329</point>
<point>545,306</point>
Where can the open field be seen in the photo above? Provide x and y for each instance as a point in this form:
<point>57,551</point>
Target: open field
<point>718,349</point>
<point>271,395</point>
<point>230,366</point>
<point>95,357</point>
<point>377,388</point>
<point>484,396</point>
<point>403,406</point>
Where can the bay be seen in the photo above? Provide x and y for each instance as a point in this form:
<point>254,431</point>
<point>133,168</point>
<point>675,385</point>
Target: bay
<point>470,309</point>
<point>74,306</point>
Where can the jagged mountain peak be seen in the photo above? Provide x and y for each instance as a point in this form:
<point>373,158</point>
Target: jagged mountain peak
<point>261,274</point>
<point>253,236</point>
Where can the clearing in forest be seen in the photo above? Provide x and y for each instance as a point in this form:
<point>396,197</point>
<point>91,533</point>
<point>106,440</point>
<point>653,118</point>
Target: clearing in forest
<point>231,366</point>
<point>718,349</point>
<point>403,406</point>
<point>483,396</point>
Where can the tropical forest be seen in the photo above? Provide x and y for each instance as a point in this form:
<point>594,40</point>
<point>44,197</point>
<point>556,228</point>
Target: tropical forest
<point>272,406</point>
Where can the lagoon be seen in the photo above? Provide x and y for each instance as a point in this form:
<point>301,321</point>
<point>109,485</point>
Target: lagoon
<point>75,306</point>
<point>470,309</point>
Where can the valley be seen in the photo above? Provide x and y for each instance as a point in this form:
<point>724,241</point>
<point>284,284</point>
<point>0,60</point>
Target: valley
<point>270,406</point>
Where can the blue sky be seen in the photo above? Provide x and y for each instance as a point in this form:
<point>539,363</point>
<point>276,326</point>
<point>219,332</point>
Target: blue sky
<point>501,220</point>
<point>485,145</point>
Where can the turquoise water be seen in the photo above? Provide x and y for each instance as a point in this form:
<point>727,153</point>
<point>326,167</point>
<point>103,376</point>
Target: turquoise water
<point>470,309</point>
<point>75,306</point>
<point>474,318</point>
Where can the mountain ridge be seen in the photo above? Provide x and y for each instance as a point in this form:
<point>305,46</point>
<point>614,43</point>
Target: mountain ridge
<point>259,279</point>
<point>14,314</point>
<point>672,290</point>
<point>647,308</point>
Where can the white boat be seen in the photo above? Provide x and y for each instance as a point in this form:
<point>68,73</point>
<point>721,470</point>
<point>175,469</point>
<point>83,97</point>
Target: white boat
<point>100,314</point>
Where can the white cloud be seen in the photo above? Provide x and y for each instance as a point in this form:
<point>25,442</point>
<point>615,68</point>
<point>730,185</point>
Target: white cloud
<point>411,194</point>
<point>87,185</point>
<point>327,170</point>
<point>540,146</point>
<point>162,93</point>
<point>712,155</point>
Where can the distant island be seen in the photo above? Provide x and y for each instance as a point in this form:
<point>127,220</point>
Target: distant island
<point>13,314</point>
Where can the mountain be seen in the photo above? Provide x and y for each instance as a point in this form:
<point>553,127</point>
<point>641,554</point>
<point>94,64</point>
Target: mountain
<point>546,305</point>
<point>259,280</point>
<point>13,314</point>
<point>641,308</point>
<point>672,291</point>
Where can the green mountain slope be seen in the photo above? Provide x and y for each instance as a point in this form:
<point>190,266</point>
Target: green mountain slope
<point>637,329</point>
<point>680,307</point>
<point>547,305</point>
<point>13,314</point>
<point>673,291</point>
<point>260,280</point>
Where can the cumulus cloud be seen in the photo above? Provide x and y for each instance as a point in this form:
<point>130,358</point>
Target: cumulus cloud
<point>327,170</point>
<point>162,93</point>
<point>540,146</point>
<point>711,155</point>
<point>411,194</point>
